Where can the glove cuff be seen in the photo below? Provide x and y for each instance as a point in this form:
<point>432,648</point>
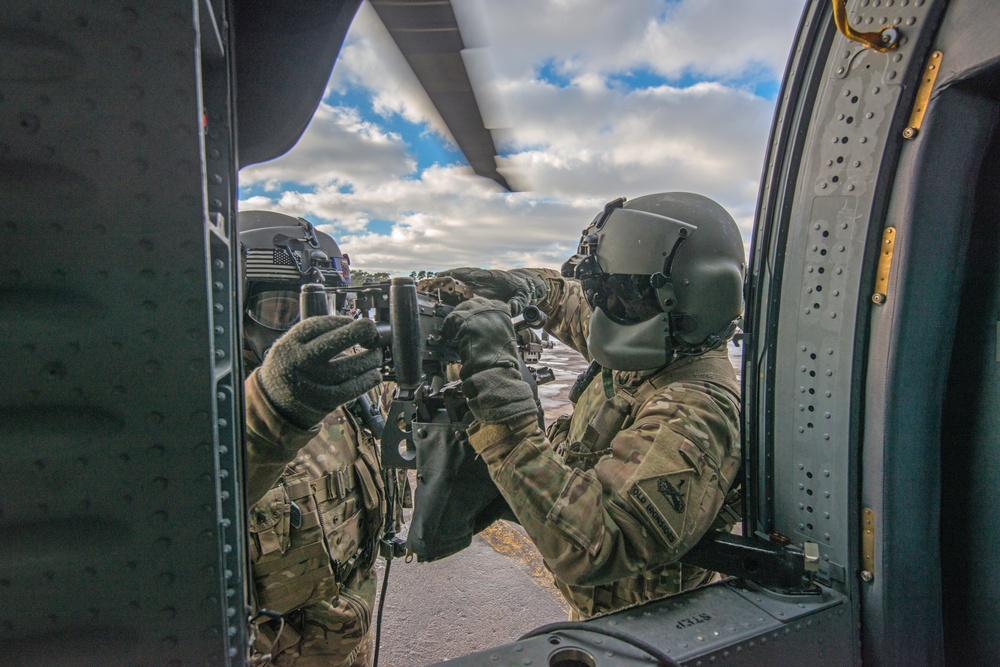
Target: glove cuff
<point>280,396</point>
<point>495,441</point>
<point>497,395</point>
<point>269,423</point>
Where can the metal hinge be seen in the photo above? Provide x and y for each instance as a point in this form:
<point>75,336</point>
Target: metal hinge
<point>867,544</point>
<point>931,70</point>
<point>884,265</point>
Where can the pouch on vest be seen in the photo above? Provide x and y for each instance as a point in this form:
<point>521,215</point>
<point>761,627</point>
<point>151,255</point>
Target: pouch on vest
<point>286,579</point>
<point>270,523</point>
<point>372,486</point>
<point>373,495</point>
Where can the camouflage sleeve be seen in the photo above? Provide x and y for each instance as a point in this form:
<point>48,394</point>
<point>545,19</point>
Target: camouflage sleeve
<point>641,506</point>
<point>272,441</point>
<point>566,308</point>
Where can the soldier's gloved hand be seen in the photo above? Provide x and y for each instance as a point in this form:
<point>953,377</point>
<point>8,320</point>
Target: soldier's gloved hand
<point>303,379</point>
<point>491,380</point>
<point>518,287</point>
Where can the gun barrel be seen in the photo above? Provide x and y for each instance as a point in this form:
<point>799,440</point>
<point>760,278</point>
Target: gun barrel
<point>531,317</point>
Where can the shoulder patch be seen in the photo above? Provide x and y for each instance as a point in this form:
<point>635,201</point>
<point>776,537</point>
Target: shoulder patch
<point>647,498</point>
<point>676,495</point>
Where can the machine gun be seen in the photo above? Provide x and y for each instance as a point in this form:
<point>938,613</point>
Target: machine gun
<point>425,427</point>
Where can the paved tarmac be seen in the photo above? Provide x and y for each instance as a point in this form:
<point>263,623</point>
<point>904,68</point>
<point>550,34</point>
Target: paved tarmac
<point>492,592</point>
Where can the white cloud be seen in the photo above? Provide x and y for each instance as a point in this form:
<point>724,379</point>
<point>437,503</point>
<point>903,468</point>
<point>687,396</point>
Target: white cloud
<point>716,37</point>
<point>570,148</point>
<point>371,60</point>
<point>337,147</point>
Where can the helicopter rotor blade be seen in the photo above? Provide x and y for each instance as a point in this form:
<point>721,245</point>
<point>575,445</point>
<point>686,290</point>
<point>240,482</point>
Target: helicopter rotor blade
<point>428,36</point>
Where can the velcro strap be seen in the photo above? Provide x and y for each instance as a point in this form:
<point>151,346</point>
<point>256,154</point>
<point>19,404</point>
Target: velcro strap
<point>298,489</point>
<point>309,520</point>
<point>336,485</point>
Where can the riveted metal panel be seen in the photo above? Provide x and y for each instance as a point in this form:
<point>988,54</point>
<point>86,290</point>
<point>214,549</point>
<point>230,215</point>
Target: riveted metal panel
<point>851,128</point>
<point>120,505</point>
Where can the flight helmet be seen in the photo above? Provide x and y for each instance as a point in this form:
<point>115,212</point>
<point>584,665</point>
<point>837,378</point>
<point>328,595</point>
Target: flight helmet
<point>280,254</point>
<point>663,274</point>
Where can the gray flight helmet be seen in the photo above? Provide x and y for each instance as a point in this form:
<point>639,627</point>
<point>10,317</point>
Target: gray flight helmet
<point>686,253</point>
<point>281,252</point>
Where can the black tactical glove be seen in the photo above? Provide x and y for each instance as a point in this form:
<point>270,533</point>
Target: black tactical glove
<point>491,379</point>
<point>303,380</point>
<point>518,287</point>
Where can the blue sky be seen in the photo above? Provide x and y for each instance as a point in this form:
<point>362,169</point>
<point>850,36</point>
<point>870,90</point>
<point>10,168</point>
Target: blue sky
<point>588,101</point>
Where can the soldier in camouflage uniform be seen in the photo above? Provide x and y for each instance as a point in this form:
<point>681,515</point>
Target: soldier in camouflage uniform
<point>314,481</point>
<point>614,494</point>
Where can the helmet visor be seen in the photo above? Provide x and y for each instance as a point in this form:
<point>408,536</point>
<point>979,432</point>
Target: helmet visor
<point>624,298</point>
<point>277,309</point>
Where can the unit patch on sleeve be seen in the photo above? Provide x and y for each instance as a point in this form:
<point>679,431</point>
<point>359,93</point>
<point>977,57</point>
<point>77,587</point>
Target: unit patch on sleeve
<point>664,501</point>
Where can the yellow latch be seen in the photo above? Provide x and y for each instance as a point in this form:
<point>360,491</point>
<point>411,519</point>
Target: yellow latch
<point>884,265</point>
<point>931,70</point>
<point>867,545</point>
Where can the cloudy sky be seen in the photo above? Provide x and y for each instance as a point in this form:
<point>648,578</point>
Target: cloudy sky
<point>588,100</point>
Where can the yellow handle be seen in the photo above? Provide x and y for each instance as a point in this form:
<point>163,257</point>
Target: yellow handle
<point>882,41</point>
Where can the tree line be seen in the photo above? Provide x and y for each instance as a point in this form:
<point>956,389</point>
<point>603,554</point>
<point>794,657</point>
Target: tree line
<point>360,276</point>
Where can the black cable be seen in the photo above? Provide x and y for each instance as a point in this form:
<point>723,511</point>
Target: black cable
<point>381,608</point>
<point>661,658</point>
<point>391,493</point>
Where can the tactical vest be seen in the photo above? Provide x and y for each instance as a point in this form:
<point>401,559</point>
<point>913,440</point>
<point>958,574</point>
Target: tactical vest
<point>584,443</point>
<point>321,520</point>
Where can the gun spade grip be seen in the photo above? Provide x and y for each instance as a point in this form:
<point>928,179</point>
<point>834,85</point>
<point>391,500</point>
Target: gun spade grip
<point>312,301</point>
<point>407,341</point>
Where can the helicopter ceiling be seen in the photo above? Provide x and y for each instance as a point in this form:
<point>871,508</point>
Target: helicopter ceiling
<point>284,60</point>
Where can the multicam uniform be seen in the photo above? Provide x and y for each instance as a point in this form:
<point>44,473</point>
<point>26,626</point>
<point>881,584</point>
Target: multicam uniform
<point>318,502</point>
<point>615,493</point>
